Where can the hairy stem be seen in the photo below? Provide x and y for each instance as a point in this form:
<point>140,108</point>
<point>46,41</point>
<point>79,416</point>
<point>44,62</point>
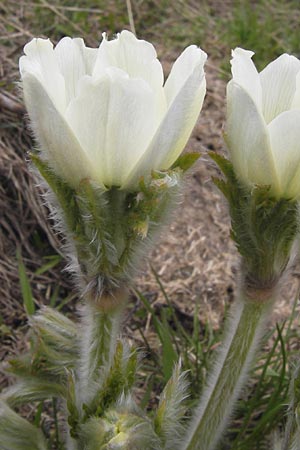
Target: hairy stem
<point>293,443</point>
<point>100,331</point>
<point>242,333</point>
<point>291,439</point>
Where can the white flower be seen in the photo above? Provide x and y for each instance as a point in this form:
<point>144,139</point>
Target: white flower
<point>104,113</point>
<point>263,123</point>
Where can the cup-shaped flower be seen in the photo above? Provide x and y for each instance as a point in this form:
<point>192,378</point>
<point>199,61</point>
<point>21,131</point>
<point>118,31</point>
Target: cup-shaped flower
<point>263,123</point>
<point>106,114</point>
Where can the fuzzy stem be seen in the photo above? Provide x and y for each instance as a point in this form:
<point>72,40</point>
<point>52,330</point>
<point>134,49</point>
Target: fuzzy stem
<point>295,441</point>
<point>288,438</point>
<point>99,337</point>
<point>292,431</point>
<point>229,373</point>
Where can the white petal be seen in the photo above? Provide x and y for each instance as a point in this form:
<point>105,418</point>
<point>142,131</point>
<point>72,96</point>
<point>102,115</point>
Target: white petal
<point>285,141</point>
<point>175,129</point>
<point>74,61</point>
<point>89,55</point>
<point>114,120</point>
<point>296,98</point>
<point>245,74</point>
<point>40,61</point>
<point>136,57</point>
<point>247,139</point>
<point>58,144</point>
<point>182,69</point>
<point>278,82</point>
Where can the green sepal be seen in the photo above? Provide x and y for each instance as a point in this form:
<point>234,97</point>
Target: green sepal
<point>263,227</point>
<point>153,199</point>
<point>93,203</point>
<point>64,192</point>
<point>226,167</point>
<point>186,161</point>
<point>109,227</point>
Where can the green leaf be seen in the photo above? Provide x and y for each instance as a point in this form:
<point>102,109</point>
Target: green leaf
<point>53,260</point>
<point>32,389</point>
<point>17,433</point>
<point>28,299</point>
<point>169,355</point>
<point>147,395</point>
<point>186,161</point>
<point>73,417</point>
<point>38,415</point>
<point>171,408</point>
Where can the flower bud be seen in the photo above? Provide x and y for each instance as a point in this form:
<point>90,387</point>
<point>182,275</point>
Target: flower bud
<point>116,431</point>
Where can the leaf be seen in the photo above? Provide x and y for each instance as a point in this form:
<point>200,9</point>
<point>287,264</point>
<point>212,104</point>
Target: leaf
<point>28,299</point>
<point>17,433</point>
<point>53,260</point>
<point>171,408</point>
<point>33,389</point>
<point>169,355</point>
<point>186,161</point>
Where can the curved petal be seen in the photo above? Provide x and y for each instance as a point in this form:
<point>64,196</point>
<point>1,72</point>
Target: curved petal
<point>175,129</point>
<point>114,120</point>
<point>284,133</point>
<point>189,59</point>
<point>247,139</point>
<point>278,82</point>
<point>296,98</point>
<point>58,144</point>
<point>245,74</point>
<point>74,61</point>
<point>136,57</point>
<point>40,61</point>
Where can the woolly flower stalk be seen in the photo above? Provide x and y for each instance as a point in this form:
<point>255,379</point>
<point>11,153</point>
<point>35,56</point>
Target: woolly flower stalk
<point>263,117</point>
<point>105,114</point>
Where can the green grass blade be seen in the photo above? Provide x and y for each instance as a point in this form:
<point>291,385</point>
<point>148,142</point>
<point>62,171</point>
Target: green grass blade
<point>27,295</point>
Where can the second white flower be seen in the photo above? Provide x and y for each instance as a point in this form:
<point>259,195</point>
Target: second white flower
<point>263,123</point>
